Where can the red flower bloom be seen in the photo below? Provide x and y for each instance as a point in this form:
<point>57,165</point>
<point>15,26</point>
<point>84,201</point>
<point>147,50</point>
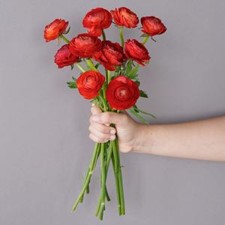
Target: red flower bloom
<point>152,25</point>
<point>125,17</point>
<point>55,29</point>
<point>85,45</point>
<point>64,57</point>
<point>96,20</point>
<point>111,55</point>
<point>89,83</point>
<point>122,93</point>
<point>136,51</point>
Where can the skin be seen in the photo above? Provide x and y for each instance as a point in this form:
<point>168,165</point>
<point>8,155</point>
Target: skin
<point>202,139</point>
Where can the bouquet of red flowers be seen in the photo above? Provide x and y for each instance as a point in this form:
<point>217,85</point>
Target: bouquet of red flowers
<point>117,90</point>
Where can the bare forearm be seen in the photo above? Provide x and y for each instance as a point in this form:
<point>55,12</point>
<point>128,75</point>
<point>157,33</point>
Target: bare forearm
<point>203,139</point>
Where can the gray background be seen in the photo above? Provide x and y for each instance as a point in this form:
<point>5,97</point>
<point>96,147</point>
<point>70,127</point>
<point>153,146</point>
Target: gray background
<point>44,145</point>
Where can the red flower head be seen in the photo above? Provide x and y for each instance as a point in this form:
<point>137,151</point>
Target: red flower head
<point>136,51</point>
<point>85,45</point>
<point>122,93</point>
<point>125,17</point>
<point>96,20</point>
<point>111,55</point>
<point>89,83</point>
<point>64,57</point>
<point>55,29</point>
<point>152,25</point>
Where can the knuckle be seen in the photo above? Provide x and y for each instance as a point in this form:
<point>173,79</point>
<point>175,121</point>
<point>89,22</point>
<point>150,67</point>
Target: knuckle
<point>103,136</point>
<point>100,140</point>
<point>105,130</point>
<point>94,138</point>
<point>106,117</point>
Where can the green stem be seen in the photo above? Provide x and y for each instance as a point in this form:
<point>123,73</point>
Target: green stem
<point>108,77</point>
<point>88,176</point>
<point>119,177</point>
<point>107,161</point>
<point>64,38</point>
<point>101,205</point>
<point>109,156</point>
<point>80,67</point>
<point>114,160</point>
<point>105,107</point>
<point>104,93</point>
<point>107,194</point>
<point>145,40</point>
<point>121,36</point>
<point>90,64</point>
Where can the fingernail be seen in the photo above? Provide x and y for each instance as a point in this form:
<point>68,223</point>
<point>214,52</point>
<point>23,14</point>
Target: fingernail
<point>112,131</point>
<point>93,104</point>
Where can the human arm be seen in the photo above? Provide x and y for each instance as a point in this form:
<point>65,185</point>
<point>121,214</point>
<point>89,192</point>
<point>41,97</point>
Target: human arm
<point>202,139</point>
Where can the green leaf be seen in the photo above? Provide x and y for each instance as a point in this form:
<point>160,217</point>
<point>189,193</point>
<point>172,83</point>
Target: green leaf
<point>133,73</point>
<point>72,84</point>
<point>97,65</point>
<point>138,116</point>
<point>134,111</point>
<point>128,67</point>
<point>138,82</point>
<point>136,108</point>
<point>146,113</point>
<point>117,69</point>
<point>143,94</point>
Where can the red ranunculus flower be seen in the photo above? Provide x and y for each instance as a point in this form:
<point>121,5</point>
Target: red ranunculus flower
<point>125,17</point>
<point>111,55</point>
<point>152,25</point>
<point>89,83</point>
<point>85,45</point>
<point>55,29</point>
<point>96,20</point>
<point>122,93</point>
<point>64,57</point>
<point>136,51</point>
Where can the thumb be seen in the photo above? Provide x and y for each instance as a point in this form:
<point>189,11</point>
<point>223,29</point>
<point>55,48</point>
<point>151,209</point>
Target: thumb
<point>95,110</point>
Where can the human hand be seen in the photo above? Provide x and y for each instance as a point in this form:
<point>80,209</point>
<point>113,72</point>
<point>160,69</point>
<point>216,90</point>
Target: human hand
<point>127,129</point>
<point>175,140</point>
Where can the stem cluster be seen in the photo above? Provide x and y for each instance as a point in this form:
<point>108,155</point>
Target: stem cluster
<point>105,153</point>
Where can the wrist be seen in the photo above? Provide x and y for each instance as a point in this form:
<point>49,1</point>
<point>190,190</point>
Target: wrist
<point>143,141</point>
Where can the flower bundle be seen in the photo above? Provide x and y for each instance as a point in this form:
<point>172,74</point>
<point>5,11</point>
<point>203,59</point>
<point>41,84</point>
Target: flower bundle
<point>117,90</point>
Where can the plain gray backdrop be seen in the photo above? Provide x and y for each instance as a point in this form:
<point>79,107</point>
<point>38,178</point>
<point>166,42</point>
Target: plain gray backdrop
<point>44,144</point>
